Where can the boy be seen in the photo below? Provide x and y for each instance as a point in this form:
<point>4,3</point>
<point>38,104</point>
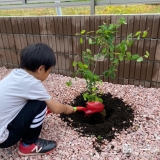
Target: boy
<point>23,101</point>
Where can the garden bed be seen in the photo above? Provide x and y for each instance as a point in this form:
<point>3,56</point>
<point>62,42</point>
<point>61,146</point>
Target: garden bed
<point>140,139</point>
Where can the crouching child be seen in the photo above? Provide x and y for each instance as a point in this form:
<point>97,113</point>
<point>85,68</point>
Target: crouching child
<point>24,101</point>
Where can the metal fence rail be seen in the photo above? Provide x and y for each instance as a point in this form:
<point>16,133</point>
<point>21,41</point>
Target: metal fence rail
<point>20,4</point>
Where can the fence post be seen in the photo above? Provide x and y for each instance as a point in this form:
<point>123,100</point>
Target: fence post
<point>23,1</point>
<point>58,9</point>
<point>92,9</point>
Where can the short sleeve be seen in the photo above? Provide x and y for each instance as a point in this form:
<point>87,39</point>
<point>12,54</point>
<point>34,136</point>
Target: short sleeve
<point>38,92</point>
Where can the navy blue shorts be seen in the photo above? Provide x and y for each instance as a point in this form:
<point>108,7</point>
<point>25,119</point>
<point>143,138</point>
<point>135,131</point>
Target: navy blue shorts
<point>27,124</point>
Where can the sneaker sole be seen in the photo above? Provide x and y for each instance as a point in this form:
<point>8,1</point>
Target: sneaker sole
<point>32,154</point>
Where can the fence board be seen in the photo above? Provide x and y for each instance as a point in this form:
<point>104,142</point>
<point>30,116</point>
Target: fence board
<point>156,64</point>
<point>144,63</point>
<point>66,56</point>
<point>149,26</point>
<point>68,25</point>
<point>102,66</point>
<point>1,42</point>
<point>84,26</point>
<point>20,24</point>
<point>64,26</point>
<point>34,27</point>
<point>74,52</point>
<point>57,42</point>
<point>136,23</point>
<point>95,48</point>
<point>155,27</point>
<point>78,45</point>
<point>7,51</point>
<point>4,61</point>
<point>62,56</point>
<point>55,19</point>
<point>143,27</point>
<point>88,27</point>
<point>14,25</point>
<point>5,43</point>
<point>7,22</point>
<point>140,49</point>
<point>28,25</point>
<point>44,39</point>
<point>119,34</point>
<point>94,22</point>
<point>125,64</point>
<point>105,65</point>
<point>50,26</point>
<point>130,27</point>
<point>2,26</point>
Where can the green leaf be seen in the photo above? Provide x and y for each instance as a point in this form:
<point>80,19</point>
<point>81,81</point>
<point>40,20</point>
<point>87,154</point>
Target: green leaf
<point>111,55</point>
<point>81,40</point>
<point>83,31</point>
<point>74,63</point>
<point>116,62</point>
<point>96,77</point>
<point>106,73</point>
<point>104,50</point>
<point>88,50</point>
<point>100,137</point>
<point>120,57</point>
<point>123,46</point>
<point>138,33</point>
<point>118,47</point>
<point>90,41</point>
<point>112,75</point>
<point>147,53</point>
<point>111,47</point>
<point>80,65</point>
<point>140,59</point>
<point>135,57</point>
<point>128,54</point>
<point>69,83</point>
<point>138,38</point>
<point>112,68</point>
<point>145,56</point>
<point>130,35</point>
<point>94,89</point>
<point>85,66</point>
<point>144,34</point>
<point>85,96</point>
<point>98,99</point>
<point>122,20</point>
<point>130,43</point>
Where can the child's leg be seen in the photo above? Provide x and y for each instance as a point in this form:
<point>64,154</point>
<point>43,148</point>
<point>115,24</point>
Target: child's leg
<point>27,125</point>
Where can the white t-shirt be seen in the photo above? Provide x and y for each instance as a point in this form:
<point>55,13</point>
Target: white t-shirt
<point>15,90</point>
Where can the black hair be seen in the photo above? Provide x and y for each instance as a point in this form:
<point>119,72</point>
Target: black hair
<point>35,55</point>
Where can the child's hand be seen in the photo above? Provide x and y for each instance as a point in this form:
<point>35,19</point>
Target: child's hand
<point>56,107</point>
<point>69,109</point>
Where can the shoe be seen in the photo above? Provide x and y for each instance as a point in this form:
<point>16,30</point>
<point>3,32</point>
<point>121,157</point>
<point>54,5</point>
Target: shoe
<point>41,146</point>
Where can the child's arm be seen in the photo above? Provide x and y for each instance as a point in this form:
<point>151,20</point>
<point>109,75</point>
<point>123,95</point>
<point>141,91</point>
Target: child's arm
<point>57,107</point>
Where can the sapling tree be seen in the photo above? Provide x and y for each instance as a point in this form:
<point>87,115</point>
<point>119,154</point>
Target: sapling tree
<point>104,38</point>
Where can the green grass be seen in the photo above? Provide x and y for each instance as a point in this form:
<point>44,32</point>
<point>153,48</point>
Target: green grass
<point>130,9</point>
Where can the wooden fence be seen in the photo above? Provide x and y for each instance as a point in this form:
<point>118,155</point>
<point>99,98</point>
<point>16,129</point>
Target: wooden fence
<point>59,33</point>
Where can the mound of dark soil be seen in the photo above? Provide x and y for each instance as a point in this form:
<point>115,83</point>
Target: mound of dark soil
<point>119,116</point>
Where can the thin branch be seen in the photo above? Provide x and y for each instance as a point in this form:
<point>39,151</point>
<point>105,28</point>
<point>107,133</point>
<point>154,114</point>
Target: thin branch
<point>96,61</point>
